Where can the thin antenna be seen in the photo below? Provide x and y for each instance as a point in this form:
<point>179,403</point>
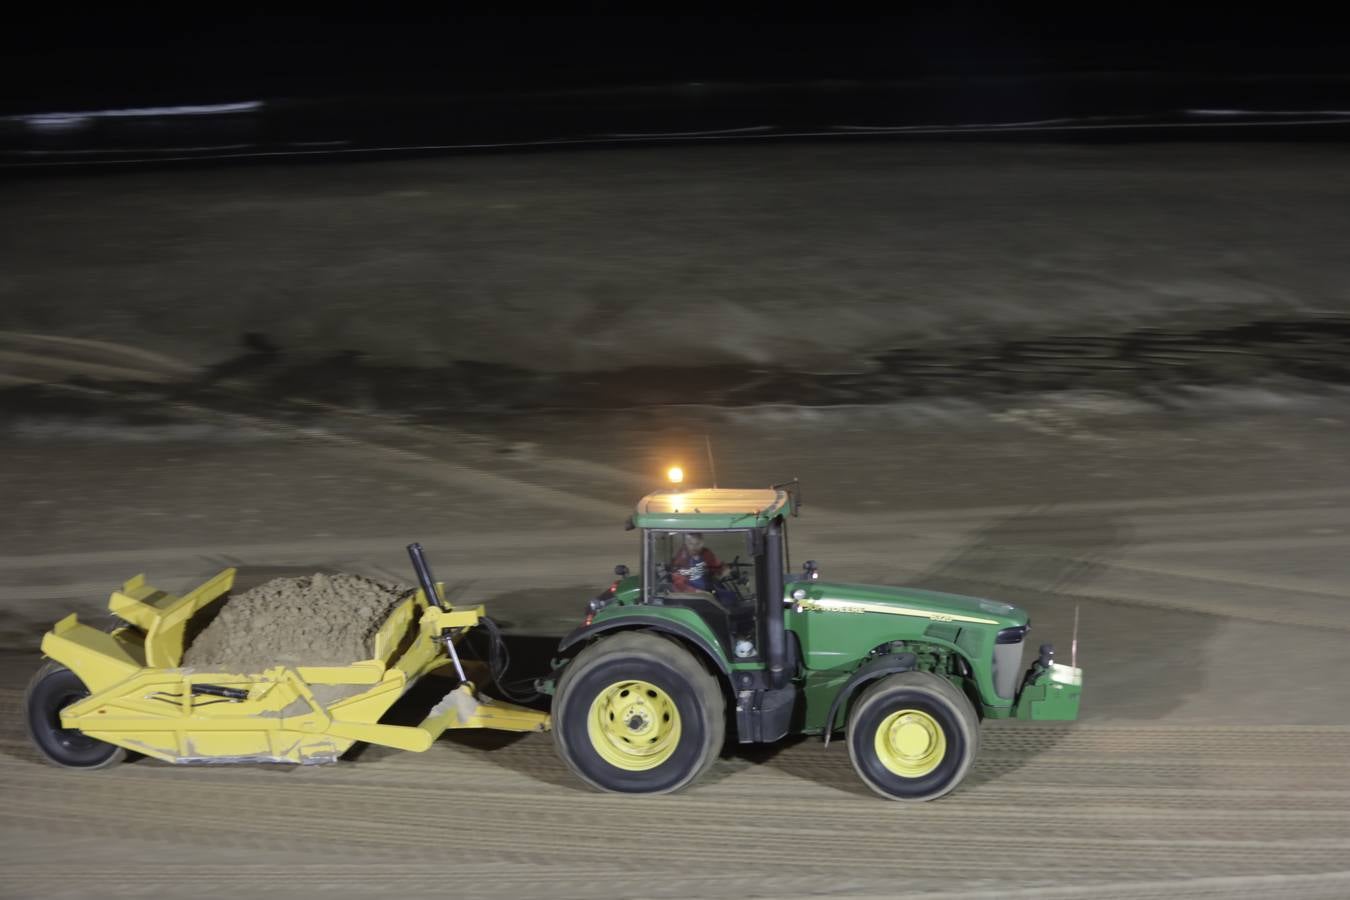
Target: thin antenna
<point>711,465</point>
<point>1073,646</point>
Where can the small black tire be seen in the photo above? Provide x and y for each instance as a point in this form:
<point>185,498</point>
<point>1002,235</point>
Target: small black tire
<point>913,736</point>
<point>53,688</point>
<point>636,713</point>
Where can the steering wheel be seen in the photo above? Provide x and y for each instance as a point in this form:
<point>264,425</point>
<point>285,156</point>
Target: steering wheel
<point>735,579</point>
<point>736,574</point>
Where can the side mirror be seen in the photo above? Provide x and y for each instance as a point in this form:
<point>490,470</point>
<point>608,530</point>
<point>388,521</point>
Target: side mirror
<point>811,570</point>
<point>621,570</point>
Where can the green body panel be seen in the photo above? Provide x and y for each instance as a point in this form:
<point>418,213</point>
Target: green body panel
<point>675,614</point>
<point>840,625</point>
<point>935,606</point>
<point>628,591</point>
<point>1052,695</point>
<point>818,692</point>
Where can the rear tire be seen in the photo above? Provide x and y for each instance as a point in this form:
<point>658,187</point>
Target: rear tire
<point>636,713</point>
<point>52,689</point>
<point>913,736</point>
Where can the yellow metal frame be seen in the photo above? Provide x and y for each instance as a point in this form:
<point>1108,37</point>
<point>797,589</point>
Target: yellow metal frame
<point>141,698</point>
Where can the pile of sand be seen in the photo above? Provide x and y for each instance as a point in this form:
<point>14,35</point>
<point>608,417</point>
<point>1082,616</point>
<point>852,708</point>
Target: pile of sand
<point>317,620</point>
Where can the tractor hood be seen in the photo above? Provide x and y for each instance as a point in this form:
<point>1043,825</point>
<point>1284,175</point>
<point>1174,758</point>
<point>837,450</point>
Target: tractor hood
<point>903,601</point>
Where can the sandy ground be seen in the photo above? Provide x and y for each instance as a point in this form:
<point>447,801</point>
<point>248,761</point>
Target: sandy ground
<point>1201,543</point>
<point>803,255</point>
<point>1208,571</point>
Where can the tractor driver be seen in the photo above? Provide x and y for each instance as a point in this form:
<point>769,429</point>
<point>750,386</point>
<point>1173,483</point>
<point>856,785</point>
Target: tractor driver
<point>695,567</point>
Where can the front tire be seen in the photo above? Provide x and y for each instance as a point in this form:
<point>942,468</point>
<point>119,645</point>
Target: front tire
<point>636,713</point>
<point>913,736</point>
<point>52,689</point>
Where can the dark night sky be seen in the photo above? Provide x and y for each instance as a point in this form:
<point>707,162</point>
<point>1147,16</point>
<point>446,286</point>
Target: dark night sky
<point>84,61</point>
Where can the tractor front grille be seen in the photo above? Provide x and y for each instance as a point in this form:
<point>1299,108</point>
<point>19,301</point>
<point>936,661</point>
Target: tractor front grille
<point>1008,659</point>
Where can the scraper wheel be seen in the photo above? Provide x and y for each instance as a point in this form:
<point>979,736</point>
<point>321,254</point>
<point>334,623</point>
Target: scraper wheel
<point>52,689</point>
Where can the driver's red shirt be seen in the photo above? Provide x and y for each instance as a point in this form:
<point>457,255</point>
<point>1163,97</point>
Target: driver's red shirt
<point>694,573</point>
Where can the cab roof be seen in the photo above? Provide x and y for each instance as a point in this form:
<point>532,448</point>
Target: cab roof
<point>710,508</point>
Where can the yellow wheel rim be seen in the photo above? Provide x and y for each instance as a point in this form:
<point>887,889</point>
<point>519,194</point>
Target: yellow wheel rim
<point>633,725</point>
<point>910,743</point>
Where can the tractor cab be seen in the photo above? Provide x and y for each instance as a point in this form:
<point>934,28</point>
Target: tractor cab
<point>722,554</point>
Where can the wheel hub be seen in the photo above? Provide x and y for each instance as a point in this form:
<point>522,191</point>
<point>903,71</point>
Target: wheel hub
<point>69,738</point>
<point>634,725</point>
<point>911,739</point>
<point>910,743</point>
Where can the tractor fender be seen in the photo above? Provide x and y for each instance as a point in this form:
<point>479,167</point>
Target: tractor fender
<point>877,668</point>
<point>651,623</point>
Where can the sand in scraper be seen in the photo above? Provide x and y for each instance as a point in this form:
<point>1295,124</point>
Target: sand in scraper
<point>315,620</point>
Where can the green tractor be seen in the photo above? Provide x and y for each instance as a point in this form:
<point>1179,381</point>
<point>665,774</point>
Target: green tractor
<point>716,633</point>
